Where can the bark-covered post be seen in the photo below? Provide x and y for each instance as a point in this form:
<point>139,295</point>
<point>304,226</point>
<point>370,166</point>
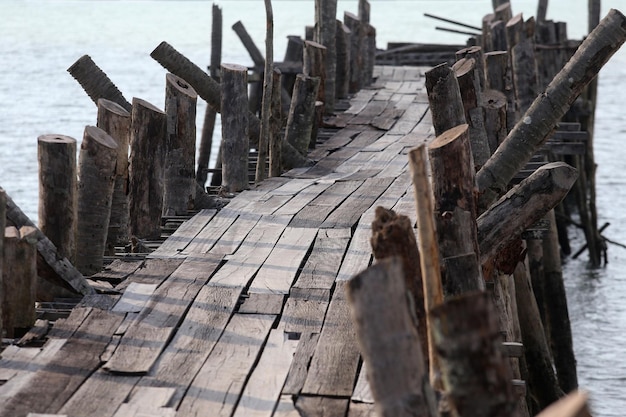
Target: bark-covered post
<point>540,120</point>
<point>19,279</point>
<point>444,97</point>
<point>179,191</point>
<point>389,341</point>
<point>234,128</point>
<point>369,53</point>
<point>495,118</point>
<point>96,173</point>
<point>266,102</point>
<point>115,120</point>
<point>521,40</point>
<point>57,191</point>
<point>455,211</point>
<point>499,77</point>
<point>315,66</point>
<point>342,80</point>
<point>475,53</point>
<point>476,375</point>
<point>3,218</point>
<point>276,124</point>
<point>356,50</point>
<point>325,34</point>
<point>147,159</point>
<point>393,236</point>
<point>503,11</point>
<point>302,113</point>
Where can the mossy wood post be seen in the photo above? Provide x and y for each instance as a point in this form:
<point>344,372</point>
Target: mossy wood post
<point>208,126</point>
<point>256,88</point>
<point>389,341</point>
<point>179,183</point>
<point>499,77</point>
<point>444,97</point>
<point>205,86</point>
<point>96,173</point>
<point>542,381</point>
<point>115,120</point>
<point>455,211</point>
<point>325,34</point>
<point>3,218</point>
<point>19,283</point>
<point>476,53</point>
<point>521,40</point>
<point>471,95</point>
<point>356,50</point>
<point>315,66</point>
<point>57,277</point>
<point>541,118</point>
<point>428,248</point>
<point>560,327</point>
<point>266,103</point>
<point>476,375</point>
<point>495,118</point>
<point>302,113</point>
<point>522,206</point>
<point>342,80</point>
<point>234,128</point>
<point>57,191</point>
<point>393,236</point>
<point>572,405</point>
<point>147,159</point>
<point>276,124</point>
<point>95,82</point>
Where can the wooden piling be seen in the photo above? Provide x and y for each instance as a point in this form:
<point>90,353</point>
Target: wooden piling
<point>276,124</point>
<point>356,47</point>
<point>147,158</point>
<point>503,11</point>
<point>389,341</point>
<point>3,218</point>
<point>179,183</point>
<point>444,97</point>
<point>495,118</point>
<point>96,172</point>
<point>315,66</point>
<point>234,128</point>
<point>256,87</point>
<point>342,79</point>
<point>302,112</point>
<point>542,9</point>
<point>476,375</point>
<point>573,405</point>
<point>57,191</point>
<point>293,54</point>
<point>476,53</point>
<point>499,77</point>
<point>266,103</point>
<point>325,34</point>
<point>115,120</point>
<point>19,279</point>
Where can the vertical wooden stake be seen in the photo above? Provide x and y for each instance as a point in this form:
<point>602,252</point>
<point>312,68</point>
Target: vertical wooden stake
<point>429,250</point>
<point>342,81</point>
<point>444,97</point>
<point>276,124</point>
<point>315,65</point>
<point>302,112</point>
<point>325,34</point>
<point>356,47</point>
<point>266,104</point>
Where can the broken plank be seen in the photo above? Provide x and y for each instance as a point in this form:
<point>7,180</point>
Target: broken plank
<point>117,271</point>
<point>152,271</point>
<point>300,365</point>
<point>176,243</point>
<point>321,267</point>
<point>217,387</point>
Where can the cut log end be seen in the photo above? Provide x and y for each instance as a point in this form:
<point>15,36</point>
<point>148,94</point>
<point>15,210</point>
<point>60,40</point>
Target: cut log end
<point>113,107</point>
<point>448,136</point>
<point>463,66</point>
<point>100,136</point>
<point>181,85</point>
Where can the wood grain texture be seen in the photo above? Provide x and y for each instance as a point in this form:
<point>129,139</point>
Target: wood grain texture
<point>176,243</point>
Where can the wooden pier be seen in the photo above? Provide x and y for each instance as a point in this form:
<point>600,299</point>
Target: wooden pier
<point>242,311</point>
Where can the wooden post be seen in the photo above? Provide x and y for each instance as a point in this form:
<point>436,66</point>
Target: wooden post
<point>95,82</point>
<point>148,137</point>
<point>256,87</point>
<point>521,40</point>
<point>96,166</point>
<point>325,34</point>
<point>356,50</point>
<point>19,279</point>
<point>276,124</point>
<point>234,128</point>
<point>294,54</point>
<point>541,118</point>
<point>542,9</point>
<point>342,82</point>
<point>266,104</point>
<point>315,66</point>
<point>302,112</point>
<point>179,185</point>
<point>500,78</point>
<point>3,218</point>
<point>429,250</point>
<point>369,54</point>
<point>393,236</point>
<point>475,373</point>
<point>444,97</point>
<point>115,120</point>
<point>57,191</point>
<point>593,7</point>
<point>495,118</point>
<point>503,11</point>
<point>455,211</point>
<point>208,127</point>
<point>389,341</point>
<point>475,53</point>
<point>498,36</point>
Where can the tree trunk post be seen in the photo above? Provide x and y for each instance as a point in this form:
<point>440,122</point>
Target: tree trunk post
<point>389,341</point>
<point>115,120</point>
<point>147,159</point>
<point>542,9</point>
<point>342,82</point>
<point>235,128</point>
<point>444,97</point>
<point>495,118</point>
<point>179,185</point>
<point>19,279</point>
<point>499,77</point>
<point>302,113</point>
<point>276,124</point>
<point>325,34</point>
<point>315,66</point>
<point>356,50</point>
<point>455,211</point>
<point>96,166</point>
<point>475,53</point>
<point>266,103</point>
<point>521,41</point>
<point>57,191</point>
<point>369,53</point>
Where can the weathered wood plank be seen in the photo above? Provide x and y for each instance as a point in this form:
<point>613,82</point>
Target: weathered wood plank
<point>176,243</point>
<point>219,383</point>
<point>324,262</point>
<point>362,410</point>
<point>134,298</point>
<point>148,401</point>
<point>300,365</point>
<point>359,253</point>
<point>214,231</point>
<point>230,240</point>
<point>262,303</point>
<point>117,271</point>
<point>303,198</point>
<point>362,392</point>
<point>314,214</point>
<point>305,310</point>
<point>147,336</point>
<point>322,406</point>
<point>152,271</point>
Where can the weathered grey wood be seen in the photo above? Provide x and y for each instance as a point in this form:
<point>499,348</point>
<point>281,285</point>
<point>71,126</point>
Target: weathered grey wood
<point>234,128</point>
<point>500,77</point>
<point>322,265</point>
<point>326,406</point>
<point>522,206</point>
<point>276,124</point>
<point>314,214</point>
<point>476,53</point>
<point>115,120</point>
<point>57,191</point>
<point>521,41</point>
<point>266,102</point>
<point>356,50</point>
<point>148,400</point>
<point>95,82</point>
<point>248,43</point>
<point>213,231</point>
<point>262,303</point>
<point>302,114</point>
<point>179,185</point>
<point>97,161</point>
<point>3,218</point>
<point>495,118</point>
<point>300,364</point>
<point>389,341</point>
<point>176,244</point>
<point>369,53</point>
<point>573,405</point>
<point>325,34</point>
<point>219,383</point>
<point>135,297</point>
<point>147,156</point>
<point>534,128</point>
<point>342,80</point>
<point>305,310</point>
<point>315,65</point>
<point>542,8</point>
<point>334,364</point>
<point>503,10</point>
<point>444,96</point>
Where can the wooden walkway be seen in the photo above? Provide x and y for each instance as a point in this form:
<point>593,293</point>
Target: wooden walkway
<point>240,312</point>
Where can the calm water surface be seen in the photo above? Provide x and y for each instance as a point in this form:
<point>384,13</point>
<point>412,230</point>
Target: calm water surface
<point>41,39</point>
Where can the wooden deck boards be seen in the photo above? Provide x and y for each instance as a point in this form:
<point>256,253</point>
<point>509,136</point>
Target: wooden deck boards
<point>242,311</point>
